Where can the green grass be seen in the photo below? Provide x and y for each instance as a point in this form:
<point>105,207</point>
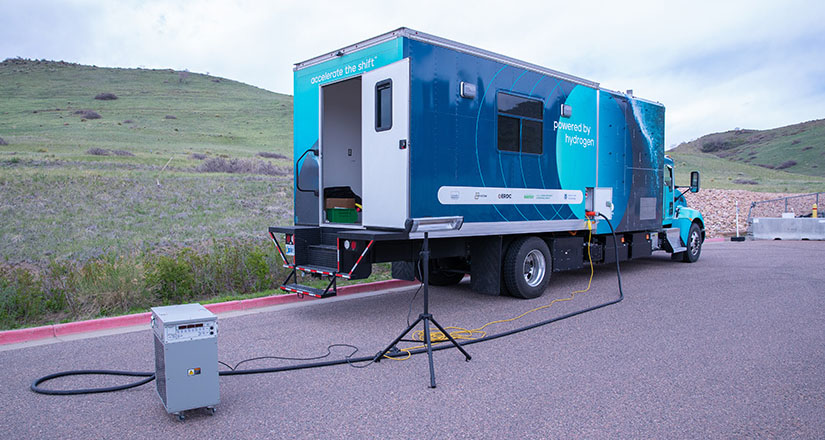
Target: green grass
<point>798,148</point>
<point>59,201</point>
<point>724,174</point>
<point>224,117</point>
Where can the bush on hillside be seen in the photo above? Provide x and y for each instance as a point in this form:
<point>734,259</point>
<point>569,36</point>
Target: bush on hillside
<point>88,114</point>
<point>270,155</point>
<point>243,166</point>
<point>105,96</point>
<point>98,151</point>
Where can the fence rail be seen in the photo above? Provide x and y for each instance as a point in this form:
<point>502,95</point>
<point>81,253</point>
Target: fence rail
<point>800,205</point>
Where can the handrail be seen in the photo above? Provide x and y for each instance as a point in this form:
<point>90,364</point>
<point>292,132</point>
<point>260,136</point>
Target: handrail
<point>759,202</point>
<point>297,172</point>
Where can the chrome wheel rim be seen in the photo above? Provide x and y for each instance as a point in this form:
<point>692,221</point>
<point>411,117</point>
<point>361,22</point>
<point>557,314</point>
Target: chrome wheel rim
<point>694,243</point>
<point>534,268</point>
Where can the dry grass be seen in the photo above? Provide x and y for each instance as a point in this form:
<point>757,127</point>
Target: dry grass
<point>242,166</point>
<point>271,155</point>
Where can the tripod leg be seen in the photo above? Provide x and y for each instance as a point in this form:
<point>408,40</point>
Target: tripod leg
<point>457,345</point>
<point>429,343</point>
<point>393,343</point>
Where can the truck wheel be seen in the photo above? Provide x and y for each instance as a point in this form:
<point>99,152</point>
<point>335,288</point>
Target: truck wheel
<point>694,244</point>
<point>441,274</point>
<point>527,267</point>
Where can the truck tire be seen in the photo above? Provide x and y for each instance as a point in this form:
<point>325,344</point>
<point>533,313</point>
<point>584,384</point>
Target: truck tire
<point>441,274</point>
<point>694,244</point>
<point>527,267</point>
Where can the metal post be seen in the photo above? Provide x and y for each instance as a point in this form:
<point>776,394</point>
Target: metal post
<point>737,218</point>
<point>786,204</point>
<point>425,259</point>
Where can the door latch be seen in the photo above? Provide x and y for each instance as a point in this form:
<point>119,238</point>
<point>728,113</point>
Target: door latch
<point>402,144</point>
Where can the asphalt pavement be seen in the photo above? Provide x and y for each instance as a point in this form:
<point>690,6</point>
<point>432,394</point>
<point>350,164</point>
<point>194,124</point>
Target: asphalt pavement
<point>730,346</point>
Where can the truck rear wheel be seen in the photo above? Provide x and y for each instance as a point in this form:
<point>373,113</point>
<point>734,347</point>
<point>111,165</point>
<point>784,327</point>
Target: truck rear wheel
<point>527,267</point>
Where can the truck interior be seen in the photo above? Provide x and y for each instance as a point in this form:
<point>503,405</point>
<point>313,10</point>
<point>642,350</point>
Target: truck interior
<point>341,152</point>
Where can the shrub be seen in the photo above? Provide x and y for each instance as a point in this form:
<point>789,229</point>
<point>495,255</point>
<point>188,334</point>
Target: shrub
<point>122,153</point>
<point>105,96</point>
<point>745,182</point>
<point>197,156</point>
<point>88,114</point>
<point>112,285</point>
<point>2,142</point>
<point>21,298</point>
<point>786,164</point>
<point>171,279</point>
<point>170,117</point>
<point>221,165</point>
<point>270,155</point>
<point>98,151</point>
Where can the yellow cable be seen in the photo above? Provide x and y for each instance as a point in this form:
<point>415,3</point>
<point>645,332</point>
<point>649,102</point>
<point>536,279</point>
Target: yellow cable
<point>460,333</point>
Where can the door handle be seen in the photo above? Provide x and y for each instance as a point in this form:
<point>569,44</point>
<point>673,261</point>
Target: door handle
<point>402,144</point>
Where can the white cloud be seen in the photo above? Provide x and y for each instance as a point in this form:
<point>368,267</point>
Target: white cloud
<point>715,65</point>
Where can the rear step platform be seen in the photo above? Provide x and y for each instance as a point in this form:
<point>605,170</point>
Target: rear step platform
<point>319,270</point>
<point>306,290</point>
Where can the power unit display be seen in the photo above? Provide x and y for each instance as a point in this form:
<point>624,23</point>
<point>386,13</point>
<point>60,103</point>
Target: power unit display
<point>186,357</point>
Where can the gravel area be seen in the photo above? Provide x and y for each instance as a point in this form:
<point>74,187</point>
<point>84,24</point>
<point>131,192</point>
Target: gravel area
<point>718,206</point>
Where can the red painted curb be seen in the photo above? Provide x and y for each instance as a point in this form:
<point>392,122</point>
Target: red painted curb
<point>101,324</point>
<point>26,334</point>
<point>266,301</point>
<point>378,285</point>
<point>228,306</point>
<point>56,330</point>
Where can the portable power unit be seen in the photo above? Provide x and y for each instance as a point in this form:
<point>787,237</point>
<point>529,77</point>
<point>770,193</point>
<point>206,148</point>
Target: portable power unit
<point>186,357</point>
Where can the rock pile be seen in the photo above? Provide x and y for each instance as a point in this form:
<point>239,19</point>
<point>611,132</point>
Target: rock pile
<point>718,206</point>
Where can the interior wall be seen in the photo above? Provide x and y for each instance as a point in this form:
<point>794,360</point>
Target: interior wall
<point>341,134</point>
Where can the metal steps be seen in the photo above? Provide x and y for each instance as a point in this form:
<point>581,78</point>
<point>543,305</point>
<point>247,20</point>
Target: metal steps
<point>307,290</point>
<point>320,259</point>
<point>674,240</point>
<point>322,255</point>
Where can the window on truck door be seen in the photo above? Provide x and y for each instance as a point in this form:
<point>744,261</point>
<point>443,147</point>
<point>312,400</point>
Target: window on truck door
<point>520,124</point>
<point>668,176</point>
<point>383,105</point>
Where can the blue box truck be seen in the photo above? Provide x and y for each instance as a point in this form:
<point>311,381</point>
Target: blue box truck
<point>408,126</point>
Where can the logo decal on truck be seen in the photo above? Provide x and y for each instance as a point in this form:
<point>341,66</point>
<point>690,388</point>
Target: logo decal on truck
<point>470,195</point>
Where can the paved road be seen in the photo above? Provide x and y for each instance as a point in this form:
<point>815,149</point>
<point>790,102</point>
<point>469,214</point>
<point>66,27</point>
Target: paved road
<point>732,346</point>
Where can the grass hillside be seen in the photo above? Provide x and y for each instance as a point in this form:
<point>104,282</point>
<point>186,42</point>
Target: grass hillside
<point>160,191</point>
<point>82,177</point>
<point>798,148</point>
<point>725,174</point>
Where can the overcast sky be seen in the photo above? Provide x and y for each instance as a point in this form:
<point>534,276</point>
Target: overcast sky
<point>716,65</point>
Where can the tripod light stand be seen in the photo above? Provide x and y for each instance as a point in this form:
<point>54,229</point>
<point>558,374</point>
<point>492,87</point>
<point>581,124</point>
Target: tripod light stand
<point>426,225</point>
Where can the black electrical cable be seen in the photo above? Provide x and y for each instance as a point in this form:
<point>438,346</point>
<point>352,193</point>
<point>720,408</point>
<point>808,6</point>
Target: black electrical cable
<point>348,360</point>
<point>329,352</point>
<point>35,385</point>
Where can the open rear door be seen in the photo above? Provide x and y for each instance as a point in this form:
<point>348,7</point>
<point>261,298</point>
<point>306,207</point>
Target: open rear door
<point>385,130</point>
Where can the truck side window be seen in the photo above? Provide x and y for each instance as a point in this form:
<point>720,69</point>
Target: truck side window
<point>668,176</point>
<point>520,124</point>
<point>383,105</point>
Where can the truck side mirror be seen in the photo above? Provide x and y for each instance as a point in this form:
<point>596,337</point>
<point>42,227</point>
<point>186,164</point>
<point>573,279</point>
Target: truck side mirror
<point>694,181</point>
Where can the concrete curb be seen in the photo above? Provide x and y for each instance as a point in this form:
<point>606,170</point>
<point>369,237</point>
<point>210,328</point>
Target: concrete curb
<point>69,328</point>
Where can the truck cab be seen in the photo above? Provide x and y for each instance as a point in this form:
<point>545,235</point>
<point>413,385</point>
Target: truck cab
<point>684,227</point>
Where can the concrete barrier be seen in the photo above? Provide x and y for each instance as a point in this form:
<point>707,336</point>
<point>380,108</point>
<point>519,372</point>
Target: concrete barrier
<point>770,228</point>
